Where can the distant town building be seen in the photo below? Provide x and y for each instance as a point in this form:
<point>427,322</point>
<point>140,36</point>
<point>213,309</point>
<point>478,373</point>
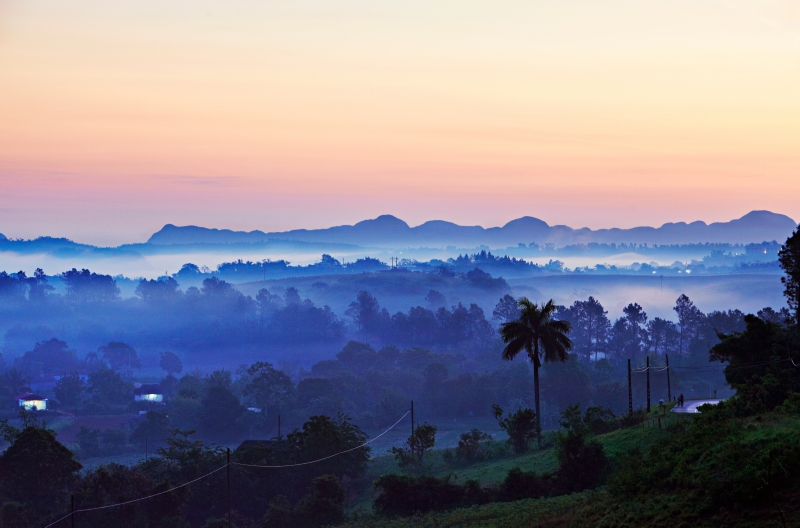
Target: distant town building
<point>32,402</point>
<point>149,393</point>
<point>765,248</point>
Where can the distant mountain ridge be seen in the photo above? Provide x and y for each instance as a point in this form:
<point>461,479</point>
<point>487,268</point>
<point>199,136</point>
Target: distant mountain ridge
<point>390,231</point>
<point>63,248</point>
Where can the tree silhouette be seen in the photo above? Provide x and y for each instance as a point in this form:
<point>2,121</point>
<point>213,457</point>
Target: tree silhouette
<point>170,363</point>
<point>789,258</point>
<point>590,326</point>
<point>521,426</point>
<point>365,312</point>
<point>541,336</point>
<point>37,470</point>
<point>506,309</point>
<point>689,318</point>
<point>120,355</point>
<point>269,388</point>
<point>68,390</point>
<point>14,382</point>
<point>637,319</point>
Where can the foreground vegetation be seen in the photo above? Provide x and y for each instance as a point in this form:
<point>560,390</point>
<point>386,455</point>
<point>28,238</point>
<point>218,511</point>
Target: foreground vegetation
<point>735,464</point>
<point>710,470</point>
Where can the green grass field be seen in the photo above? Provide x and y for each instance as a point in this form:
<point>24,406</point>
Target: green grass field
<point>491,472</point>
<point>599,508</point>
<point>590,509</point>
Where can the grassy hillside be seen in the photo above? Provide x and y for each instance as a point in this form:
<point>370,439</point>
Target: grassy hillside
<point>720,477</point>
<point>492,472</point>
<point>597,509</point>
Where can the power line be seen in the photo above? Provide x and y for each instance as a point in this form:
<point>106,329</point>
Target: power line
<point>327,457</point>
<point>221,468</point>
<point>139,499</point>
<point>368,430</point>
<point>705,368</point>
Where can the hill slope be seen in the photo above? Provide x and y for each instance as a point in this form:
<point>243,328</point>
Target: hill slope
<point>716,475</point>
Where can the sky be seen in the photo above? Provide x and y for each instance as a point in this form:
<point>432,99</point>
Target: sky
<point>119,117</point>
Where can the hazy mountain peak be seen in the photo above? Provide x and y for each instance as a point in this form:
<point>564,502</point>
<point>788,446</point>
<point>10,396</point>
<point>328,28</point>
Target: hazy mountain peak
<point>172,234</point>
<point>526,222</point>
<point>765,217</point>
<point>384,222</point>
<point>439,223</point>
<point>390,231</point>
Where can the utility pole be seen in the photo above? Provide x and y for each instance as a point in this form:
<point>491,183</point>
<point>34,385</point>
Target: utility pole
<point>279,427</point>
<point>669,390</point>
<point>412,417</point>
<point>145,449</point>
<point>630,390</point>
<point>229,487</point>
<point>648,384</point>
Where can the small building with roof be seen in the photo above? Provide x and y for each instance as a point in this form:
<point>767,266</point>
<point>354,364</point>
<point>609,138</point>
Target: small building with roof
<point>149,392</point>
<point>32,402</point>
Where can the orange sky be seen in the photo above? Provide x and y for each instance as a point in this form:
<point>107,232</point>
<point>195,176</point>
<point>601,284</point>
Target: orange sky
<point>118,117</point>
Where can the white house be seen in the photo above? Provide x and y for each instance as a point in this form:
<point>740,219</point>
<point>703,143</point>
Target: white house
<point>32,402</point>
<point>148,392</point>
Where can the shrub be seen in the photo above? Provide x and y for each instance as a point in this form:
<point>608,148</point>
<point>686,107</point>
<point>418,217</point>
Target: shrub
<point>520,426</point>
<point>520,484</point>
<point>791,405</point>
<point>582,463</point>
<point>471,446</point>
<point>631,419</point>
<point>324,506</point>
<point>405,495</point>
<point>412,454</point>
<point>88,441</point>
<point>153,430</point>
<point>600,420</point>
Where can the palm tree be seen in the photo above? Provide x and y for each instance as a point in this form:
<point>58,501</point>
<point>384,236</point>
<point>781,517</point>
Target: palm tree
<point>541,336</point>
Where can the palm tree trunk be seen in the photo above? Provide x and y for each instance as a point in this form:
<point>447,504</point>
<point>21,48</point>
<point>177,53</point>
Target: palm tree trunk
<point>536,390</point>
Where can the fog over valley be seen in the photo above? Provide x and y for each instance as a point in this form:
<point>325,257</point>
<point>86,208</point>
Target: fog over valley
<point>328,271</point>
<point>203,349</point>
<point>359,264</point>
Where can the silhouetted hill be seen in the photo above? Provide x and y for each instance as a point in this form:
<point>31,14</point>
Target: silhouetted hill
<point>63,248</point>
<point>389,231</point>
